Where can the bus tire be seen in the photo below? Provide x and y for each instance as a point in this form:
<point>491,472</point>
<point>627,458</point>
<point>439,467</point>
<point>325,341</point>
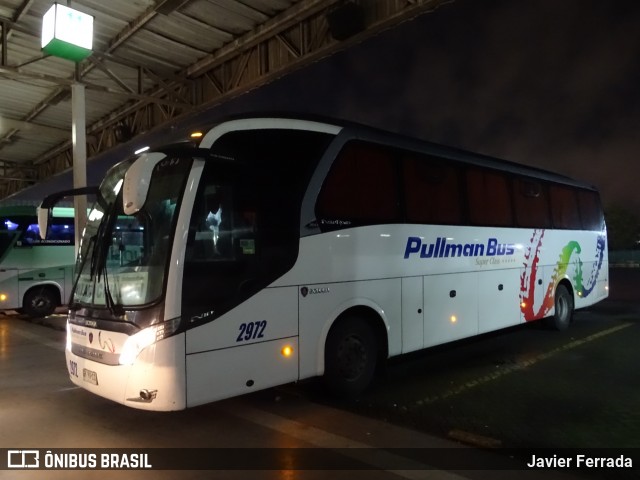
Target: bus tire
<point>39,302</point>
<point>563,315</point>
<point>350,357</point>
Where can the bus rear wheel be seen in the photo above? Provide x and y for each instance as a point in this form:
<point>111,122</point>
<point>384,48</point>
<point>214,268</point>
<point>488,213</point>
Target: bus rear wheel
<point>350,357</point>
<point>39,302</point>
<point>563,315</point>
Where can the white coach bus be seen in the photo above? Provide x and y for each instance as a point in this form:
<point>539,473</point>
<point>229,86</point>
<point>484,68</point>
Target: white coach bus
<point>281,249</point>
<point>36,275</point>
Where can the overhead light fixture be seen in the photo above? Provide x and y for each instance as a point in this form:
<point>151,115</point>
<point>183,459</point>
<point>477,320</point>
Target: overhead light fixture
<point>67,33</point>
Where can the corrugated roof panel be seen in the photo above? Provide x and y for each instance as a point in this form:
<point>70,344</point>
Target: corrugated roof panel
<point>58,115</point>
<point>7,7</point>
<point>223,14</point>
<point>22,48</point>
<point>19,96</point>
<point>241,9</point>
<point>269,7</point>
<point>158,47</point>
<point>52,66</point>
<point>32,19</point>
<point>102,102</point>
<point>27,148</point>
<point>109,21</point>
<point>143,57</point>
<point>191,31</point>
<point>123,10</point>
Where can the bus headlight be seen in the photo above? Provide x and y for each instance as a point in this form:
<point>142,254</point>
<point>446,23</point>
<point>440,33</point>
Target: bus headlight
<point>145,338</point>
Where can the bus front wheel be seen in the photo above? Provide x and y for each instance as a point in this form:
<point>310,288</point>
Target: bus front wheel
<point>39,302</point>
<point>563,309</point>
<point>350,357</point>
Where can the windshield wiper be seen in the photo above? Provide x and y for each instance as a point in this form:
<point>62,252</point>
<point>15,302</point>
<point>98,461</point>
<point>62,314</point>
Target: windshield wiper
<point>116,309</point>
<point>102,248</point>
<point>98,265</point>
<point>73,305</point>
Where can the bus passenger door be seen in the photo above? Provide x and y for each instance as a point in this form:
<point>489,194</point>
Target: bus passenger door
<point>412,314</point>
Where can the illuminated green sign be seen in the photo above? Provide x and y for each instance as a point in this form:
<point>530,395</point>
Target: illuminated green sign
<point>67,33</point>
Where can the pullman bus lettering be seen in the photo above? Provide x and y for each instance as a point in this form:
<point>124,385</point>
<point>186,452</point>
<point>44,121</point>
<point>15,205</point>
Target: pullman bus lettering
<point>442,249</point>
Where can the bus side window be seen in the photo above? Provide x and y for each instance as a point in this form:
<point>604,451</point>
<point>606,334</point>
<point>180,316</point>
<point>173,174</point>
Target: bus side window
<point>590,210</point>
<point>531,204</point>
<point>488,196</point>
<point>564,207</point>
<point>361,187</point>
<point>432,191</point>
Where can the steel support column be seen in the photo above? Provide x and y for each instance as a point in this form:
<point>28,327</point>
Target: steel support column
<point>79,145</point>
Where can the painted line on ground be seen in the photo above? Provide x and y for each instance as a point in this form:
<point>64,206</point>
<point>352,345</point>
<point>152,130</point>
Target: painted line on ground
<point>518,366</point>
<point>348,447</point>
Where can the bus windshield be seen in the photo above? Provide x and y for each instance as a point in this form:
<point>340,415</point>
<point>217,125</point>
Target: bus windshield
<point>123,258</point>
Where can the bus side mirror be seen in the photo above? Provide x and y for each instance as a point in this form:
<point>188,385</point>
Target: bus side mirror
<point>137,180</point>
<point>44,215</point>
<point>45,209</point>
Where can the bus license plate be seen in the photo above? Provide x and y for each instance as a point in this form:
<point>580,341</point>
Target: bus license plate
<point>90,376</point>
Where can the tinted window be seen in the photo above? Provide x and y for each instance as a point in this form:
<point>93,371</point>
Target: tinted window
<point>564,207</point>
<point>361,188</point>
<point>590,210</point>
<point>431,191</point>
<point>488,196</point>
<point>531,204</point>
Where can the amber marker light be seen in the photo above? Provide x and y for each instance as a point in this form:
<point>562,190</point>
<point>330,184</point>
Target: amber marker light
<point>453,319</point>
<point>196,135</point>
<point>287,351</point>
<point>3,297</point>
<point>523,304</point>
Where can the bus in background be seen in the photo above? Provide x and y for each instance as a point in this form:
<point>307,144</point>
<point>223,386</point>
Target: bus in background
<point>280,249</point>
<point>36,275</point>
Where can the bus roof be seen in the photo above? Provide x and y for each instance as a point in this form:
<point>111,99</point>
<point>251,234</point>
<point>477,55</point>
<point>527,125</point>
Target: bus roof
<point>363,132</point>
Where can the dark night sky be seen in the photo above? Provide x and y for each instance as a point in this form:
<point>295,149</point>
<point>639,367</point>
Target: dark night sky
<point>549,83</point>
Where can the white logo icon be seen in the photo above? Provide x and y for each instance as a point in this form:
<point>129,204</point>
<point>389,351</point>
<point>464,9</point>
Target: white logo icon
<point>23,459</point>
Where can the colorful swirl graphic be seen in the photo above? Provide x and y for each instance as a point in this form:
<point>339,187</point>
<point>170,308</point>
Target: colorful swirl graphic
<point>528,279</point>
